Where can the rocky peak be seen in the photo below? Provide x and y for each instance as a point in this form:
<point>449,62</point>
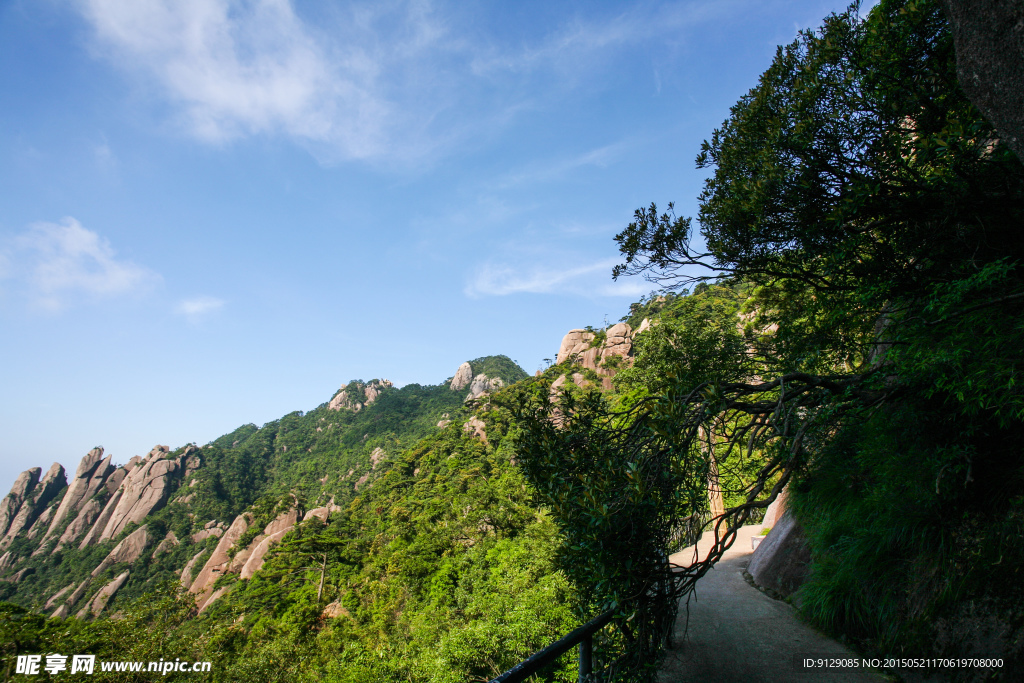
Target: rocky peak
<point>144,490</point>
<point>479,384</point>
<point>599,357</point>
<point>463,376</point>
<point>34,502</point>
<point>91,474</point>
<point>482,384</point>
<point>23,485</point>
<point>356,395</point>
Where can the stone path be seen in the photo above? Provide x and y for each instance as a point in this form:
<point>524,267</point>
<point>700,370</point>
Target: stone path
<point>737,633</point>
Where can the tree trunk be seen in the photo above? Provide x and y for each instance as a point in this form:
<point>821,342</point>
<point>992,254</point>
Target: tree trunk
<point>323,572</point>
<point>715,500</point>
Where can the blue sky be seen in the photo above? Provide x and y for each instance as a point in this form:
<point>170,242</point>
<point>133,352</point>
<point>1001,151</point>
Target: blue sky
<point>216,212</point>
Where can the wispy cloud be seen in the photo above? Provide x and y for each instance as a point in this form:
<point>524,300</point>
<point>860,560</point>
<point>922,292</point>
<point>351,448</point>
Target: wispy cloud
<point>495,279</point>
<point>240,68</point>
<point>56,262</point>
<point>364,80</point>
<point>199,307</point>
<point>557,169</point>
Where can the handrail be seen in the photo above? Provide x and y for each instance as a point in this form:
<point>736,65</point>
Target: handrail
<point>582,636</point>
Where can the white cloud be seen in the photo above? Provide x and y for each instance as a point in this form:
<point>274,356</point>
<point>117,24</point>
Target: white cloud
<point>491,279</point>
<point>57,261</point>
<point>198,307</point>
<point>362,80</point>
<point>245,67</point>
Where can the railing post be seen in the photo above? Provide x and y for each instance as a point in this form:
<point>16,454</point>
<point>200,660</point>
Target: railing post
<point>586,658</point>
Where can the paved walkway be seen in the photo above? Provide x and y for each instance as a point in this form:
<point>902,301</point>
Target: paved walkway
<point>737,633</point>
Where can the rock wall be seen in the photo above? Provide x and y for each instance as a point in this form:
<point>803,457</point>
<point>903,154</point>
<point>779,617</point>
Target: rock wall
<point>34,503</point>
<point>82,487</point>
<point>12,502</point>
<point>144,490</point>
<point>618,343</point>
<point>781,562</point>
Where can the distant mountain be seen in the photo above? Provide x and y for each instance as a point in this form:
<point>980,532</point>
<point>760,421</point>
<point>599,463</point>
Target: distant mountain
<point>74,545</point>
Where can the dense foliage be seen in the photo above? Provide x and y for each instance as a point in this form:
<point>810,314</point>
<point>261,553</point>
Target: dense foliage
<point>438,566</point>
<point>876,219</point>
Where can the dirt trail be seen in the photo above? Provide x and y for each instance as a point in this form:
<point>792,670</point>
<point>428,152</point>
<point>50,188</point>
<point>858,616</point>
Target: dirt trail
<point>737,633</point>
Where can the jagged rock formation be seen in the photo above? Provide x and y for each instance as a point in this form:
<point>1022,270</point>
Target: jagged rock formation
<point>218,563</point>
<point>101,522</point>
<point>482,384</point>
<point>103,503</point>
<point>100,600</point>
<point>56,596</point>
<point>85,519</point>
<point>273,533</point>
<point>463,376</point>
<point>91,474</point>
<point>479,384</point>
<point>127,551</point>
<point>376,456</point>
<point>343,400</point>
<point>12,502</point>
<point>601,358</point>
<point>34,503</point>
<point>186,573</point>
<point>144,490</point>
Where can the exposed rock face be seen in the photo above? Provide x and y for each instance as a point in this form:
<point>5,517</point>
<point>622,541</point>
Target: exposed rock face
<point>776,509</point>
<point>782,559</point>
<point>82,487</point>
<point>273,533</point>
<point>482,384</point>
<point>186,573</point>
<point>618,343</point>
<point>145,490</point>
<point>10,505</point>
<point>322,512</point>
<point>463,376</point>
<point>6,560</point>
<point>574,343</point>
<point>128,550</point>
<point>56,596</point>
<point>370,391</point>
<point>203,534</point>
<point>77,594</point>
<point>218,562</point>
<point>99,602</point>
<point>21,574</point>
<point>35,503</point>
<point>115,479</point>
<point>41,523</point>
<point>101,522</point>
<point>335,609</point>
<point>170,541</point>
<point>376,457</point>
<point>86,517</point>
<point>989,40</point>
<point>61,612</point>
<point>477,427</point>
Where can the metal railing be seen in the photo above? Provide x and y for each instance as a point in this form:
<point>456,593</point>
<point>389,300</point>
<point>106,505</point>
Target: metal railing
<point>583,636</point>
